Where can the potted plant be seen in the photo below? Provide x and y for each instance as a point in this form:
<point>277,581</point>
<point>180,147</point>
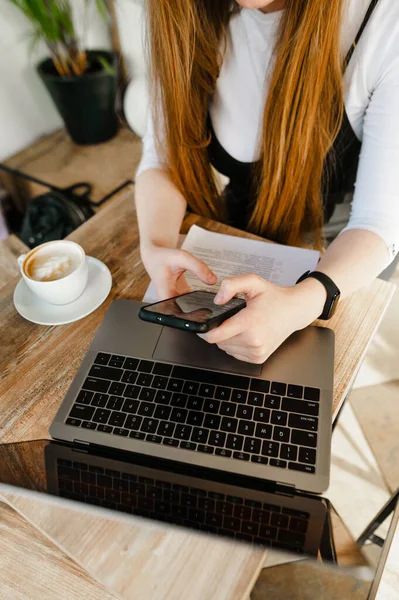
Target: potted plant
<point>82,82</point>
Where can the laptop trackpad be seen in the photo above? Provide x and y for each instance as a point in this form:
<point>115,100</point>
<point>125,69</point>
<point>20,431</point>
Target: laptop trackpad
<point>188,349</point>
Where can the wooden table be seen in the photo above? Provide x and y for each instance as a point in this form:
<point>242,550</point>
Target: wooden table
<point>38,363</point>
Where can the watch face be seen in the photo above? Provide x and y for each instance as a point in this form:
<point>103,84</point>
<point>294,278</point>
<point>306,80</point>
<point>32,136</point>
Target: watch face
<point>333,305</point>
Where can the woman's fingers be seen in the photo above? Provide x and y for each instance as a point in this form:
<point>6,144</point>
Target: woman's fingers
<point>234,326</point>
<point>187,262</point>
<point>249,284</point>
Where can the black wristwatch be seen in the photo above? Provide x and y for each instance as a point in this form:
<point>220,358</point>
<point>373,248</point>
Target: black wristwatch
<point>333,292</point>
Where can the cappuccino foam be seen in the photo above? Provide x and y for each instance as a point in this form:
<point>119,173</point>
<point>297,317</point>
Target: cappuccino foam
<point>46,266</point>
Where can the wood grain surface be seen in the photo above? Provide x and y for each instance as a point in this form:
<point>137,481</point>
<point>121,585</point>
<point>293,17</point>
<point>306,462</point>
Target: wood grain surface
<point>33,568</point>
<point>38,362</point>
<point>135,559</point>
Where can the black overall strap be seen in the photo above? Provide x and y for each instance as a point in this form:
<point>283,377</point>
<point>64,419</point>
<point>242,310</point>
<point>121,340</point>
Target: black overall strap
<point>363,26</point>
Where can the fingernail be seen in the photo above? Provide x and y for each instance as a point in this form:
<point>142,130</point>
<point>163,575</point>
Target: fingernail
<point>212,278</point>
<point>218,298</point>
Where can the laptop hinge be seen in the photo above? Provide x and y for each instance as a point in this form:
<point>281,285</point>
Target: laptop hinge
<point>284,489</point>
<point>81,443</point>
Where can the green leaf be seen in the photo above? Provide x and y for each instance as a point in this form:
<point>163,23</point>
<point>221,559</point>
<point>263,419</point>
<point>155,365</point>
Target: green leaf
<point>109,69</point>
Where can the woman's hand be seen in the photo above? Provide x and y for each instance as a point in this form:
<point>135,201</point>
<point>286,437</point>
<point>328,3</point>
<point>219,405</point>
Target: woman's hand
<point>271,315</point>
<point>166,267</point>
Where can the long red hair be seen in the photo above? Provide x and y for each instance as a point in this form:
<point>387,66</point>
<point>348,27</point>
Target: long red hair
<point>302,115</point>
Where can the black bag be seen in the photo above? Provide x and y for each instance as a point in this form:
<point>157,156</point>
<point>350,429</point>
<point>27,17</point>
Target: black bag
<point>54,215</point>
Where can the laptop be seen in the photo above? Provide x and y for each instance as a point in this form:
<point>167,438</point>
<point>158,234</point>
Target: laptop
<point>224,505</point>
<point>163,393</point>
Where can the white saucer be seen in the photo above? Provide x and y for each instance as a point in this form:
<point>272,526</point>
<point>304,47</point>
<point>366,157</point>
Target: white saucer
<point>34,309</point>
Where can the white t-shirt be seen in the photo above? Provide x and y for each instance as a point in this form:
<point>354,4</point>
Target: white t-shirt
<point>371,86</point>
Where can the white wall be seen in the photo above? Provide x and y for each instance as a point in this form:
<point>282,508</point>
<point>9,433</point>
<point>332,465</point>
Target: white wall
<point>26,110</point>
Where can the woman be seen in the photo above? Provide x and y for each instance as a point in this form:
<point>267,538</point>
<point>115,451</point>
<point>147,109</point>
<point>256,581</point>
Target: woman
<point>266,92</point>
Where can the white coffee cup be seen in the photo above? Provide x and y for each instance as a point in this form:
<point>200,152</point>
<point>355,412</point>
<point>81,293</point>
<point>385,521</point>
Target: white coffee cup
<point>56,271</point>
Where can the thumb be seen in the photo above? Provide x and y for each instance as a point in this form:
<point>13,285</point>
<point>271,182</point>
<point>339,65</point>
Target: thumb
<point>187,262</point>
<point>249,284</point>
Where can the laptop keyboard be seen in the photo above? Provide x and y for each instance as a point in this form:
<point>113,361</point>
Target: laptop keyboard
<point>233,416</point>
<point>232,516</point>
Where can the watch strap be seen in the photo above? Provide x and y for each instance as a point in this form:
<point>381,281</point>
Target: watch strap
<point>333,292</point>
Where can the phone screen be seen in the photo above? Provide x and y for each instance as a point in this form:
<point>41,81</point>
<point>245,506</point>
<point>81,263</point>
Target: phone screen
<point>197,307</point>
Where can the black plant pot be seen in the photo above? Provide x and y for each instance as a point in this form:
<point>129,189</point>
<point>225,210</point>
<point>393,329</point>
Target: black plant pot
<point>86,103</point>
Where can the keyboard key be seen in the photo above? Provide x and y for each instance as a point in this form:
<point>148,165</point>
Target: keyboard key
<point>117,388</point>
<point>229,424</point>
<point>277,462</point>
<point>239,396</point>
<point>262,415</point>
<point>272,401</point>
<point>211,406</point>
<point>245,412</point>
<point>311,394</point>
<point>304,438</point>
<point>246,427</point>
<point>133,422</point>
<point>179,400</point>
<point>96,385</point>
<point>183,432</point>
<point>101,415</point>
<point>256,399</point>
<point>88,425</point>
<point>212,377</point>
<point>223,452</point>
<point>130,406</point>
<point>132,391</point>
<point>102,358</point>
<point>137,435</point>
<point>160,382</point>
<point>170,442</point>
<point>206,390</point>
<point>188,445</point>
<point>300,406</point>
<point>212,421</point>
<point>74,422</point>
<point>162,369</point>
<point>147,394</point>
<point>303,468</point>
<point>252,445</point>
<point>100,400</point>
<point>205,449</point>
<point>242,512</point>
<point>270,449</point>
<point>277,519</point>
<point>191,387</point>
<point>281,434</point>
<point>195,418</point>
<point>163,397</point>
<point>162,412</point>
<point>115,403</point>
<point>264,431</point>
<point>195,403</point>
<point>260,460</point>
<point>120,431</point>
<point>144,379</point>
<point>241,456</point>
<point>302,422</point>
<point>129,377</point>
<point>217,438</point>
<point>104,428</point>
<point>130,364</point>
<point>145,366</point>
<point>298,525</point>
<point>295,391</point>
<point>101,372</point>
<point>296,513</point>
<point>228,409</point>
<point>278,388</point>
<point>175,385</point>
<point>155,439</point>
<point>149,425</point>
<point>249,528</point>
<point>234,442</point>
<point>200,435</point>
<point>222,393</point>
<point>288,452</point>
<point>292,539</point>
<point>279,417</point>
<point>166,428</point>
<point>117,419</point>
<point>224,508</point>
<point>84,397</point>
<point>179,415</point>
<point>80,411</point>
<point>307,455</point>
<point>146,409</point>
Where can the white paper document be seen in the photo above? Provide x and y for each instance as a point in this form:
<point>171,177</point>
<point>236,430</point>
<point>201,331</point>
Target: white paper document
<point>228,255</point>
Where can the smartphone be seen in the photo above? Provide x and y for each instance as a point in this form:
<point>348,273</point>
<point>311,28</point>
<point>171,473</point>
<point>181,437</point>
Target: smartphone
<point>195,311</point>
